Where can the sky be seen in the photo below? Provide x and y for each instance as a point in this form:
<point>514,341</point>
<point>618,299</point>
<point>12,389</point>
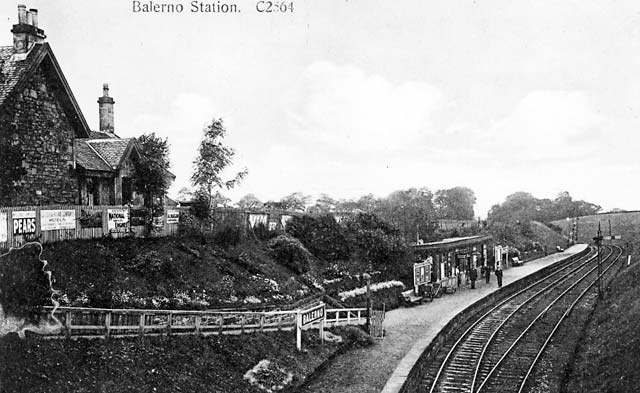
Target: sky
<point>351,97</point>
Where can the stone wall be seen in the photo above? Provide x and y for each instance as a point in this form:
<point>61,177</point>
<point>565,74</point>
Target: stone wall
<point>35,122</point>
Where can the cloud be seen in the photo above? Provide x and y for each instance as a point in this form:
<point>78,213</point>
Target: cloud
<point>344,107</point>
<point>549,125</point>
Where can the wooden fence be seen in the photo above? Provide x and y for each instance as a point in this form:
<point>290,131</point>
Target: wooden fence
<point>45,224</point>
<point>104,323</point>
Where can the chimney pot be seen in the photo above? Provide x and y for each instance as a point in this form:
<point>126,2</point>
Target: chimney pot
<point>105,90</point>
<point>26,33</point>
<point>22,14</point>
<point>34,17</point>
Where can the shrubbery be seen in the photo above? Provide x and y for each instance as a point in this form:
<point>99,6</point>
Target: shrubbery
<point>228,237</point>
<point>359,243</point>
<point>291,253</point>
<point>357,336</point>
<point>322,236</point>
<point>24,287</point>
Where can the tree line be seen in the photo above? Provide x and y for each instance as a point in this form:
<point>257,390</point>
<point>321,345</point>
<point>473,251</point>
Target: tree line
<point>522,207</point>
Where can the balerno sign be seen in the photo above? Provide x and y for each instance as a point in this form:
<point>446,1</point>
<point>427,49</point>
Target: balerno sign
<point>312,315</point>
<point>308,317</point>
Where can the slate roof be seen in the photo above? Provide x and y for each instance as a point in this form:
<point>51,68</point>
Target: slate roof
<point>87,158</point>
<point>16,69</point>
<point>12,70</point>
<point>113,150</point>
<point>102,154</point>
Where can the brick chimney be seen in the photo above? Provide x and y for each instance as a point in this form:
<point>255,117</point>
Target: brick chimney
<point>105,110</point>
<point>26,33</point>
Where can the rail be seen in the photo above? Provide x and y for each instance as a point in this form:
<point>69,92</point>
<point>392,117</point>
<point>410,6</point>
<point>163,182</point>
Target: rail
<point>104,322</point>
<point>345,316</point>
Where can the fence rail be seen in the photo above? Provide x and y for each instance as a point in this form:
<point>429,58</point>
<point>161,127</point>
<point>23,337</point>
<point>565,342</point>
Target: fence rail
<point>104,323</point>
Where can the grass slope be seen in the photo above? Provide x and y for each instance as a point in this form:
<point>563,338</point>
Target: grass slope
<point>608,359</point>
<point>171,273</point>
<point>153,364</point>
<point>625,224</point>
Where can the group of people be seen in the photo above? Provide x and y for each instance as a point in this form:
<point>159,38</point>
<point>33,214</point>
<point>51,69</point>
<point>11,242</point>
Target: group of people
<point>486,270</point>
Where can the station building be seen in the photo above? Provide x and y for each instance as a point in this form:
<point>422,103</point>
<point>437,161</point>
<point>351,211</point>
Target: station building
<point>461,253</point>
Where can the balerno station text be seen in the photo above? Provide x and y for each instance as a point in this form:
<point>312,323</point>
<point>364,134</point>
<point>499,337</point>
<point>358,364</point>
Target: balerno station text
<point>219,7</point>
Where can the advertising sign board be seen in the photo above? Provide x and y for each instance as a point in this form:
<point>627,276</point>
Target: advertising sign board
<point>51,220</point>
<point>173,216</point>
<point>118,220</point>
<point>422,272</point>
<point>3,227</point>
<point>24,222</point>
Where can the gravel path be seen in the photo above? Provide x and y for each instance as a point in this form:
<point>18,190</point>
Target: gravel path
<point>384,365</point>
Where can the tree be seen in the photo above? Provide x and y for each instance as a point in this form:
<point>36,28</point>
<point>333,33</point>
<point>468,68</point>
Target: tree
<point>249,201</point>
<point>455,203</point>
<point>213,158</point>
<point>185,195</point>
<point>296,201</point>
<point>324,204</point>
<point>220,200</point>
<point>151,172</point>
<point>411,211</point>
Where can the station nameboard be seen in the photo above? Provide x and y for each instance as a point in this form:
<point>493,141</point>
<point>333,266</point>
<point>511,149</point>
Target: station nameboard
<point>312,315</point>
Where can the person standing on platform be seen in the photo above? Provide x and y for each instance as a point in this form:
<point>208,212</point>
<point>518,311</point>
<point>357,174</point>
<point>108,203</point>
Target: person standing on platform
<point>487,273</point>
<point>458,276</point>
<point>473,275</point>
<point>499,276</point>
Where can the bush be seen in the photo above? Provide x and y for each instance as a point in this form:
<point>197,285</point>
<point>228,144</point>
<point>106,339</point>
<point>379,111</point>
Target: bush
<point>228,236</point>
<point>357,336</point>
<point>322,236</point>
<point>150,264</point>
<point>24,287</point>
<point>290,252</point>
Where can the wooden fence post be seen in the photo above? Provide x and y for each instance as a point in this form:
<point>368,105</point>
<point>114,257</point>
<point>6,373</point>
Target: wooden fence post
<point>169,318</point>
<point>198,323</point>
<point>107,325</point>
<point>67,324</point>
<point>221,324</point>
<point>242,324</point>
<point>262,323</point>
<point>141,326</point>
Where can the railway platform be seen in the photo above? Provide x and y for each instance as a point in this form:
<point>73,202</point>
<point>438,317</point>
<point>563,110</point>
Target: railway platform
<point>385,365</point>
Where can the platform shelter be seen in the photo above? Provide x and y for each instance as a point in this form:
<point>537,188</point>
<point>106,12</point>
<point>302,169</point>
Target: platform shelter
<point>458,254</point>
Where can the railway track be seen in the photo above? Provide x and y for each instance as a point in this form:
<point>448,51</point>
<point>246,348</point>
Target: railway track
<point>500,350</point>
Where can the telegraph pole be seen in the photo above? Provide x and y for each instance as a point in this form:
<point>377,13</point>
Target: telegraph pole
<point>598,241</point>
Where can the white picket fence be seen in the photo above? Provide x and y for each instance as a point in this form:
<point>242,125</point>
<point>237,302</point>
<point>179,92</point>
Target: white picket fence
<point>104,323</point>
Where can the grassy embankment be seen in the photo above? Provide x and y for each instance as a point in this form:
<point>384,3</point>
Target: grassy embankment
<point>607,358</point>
